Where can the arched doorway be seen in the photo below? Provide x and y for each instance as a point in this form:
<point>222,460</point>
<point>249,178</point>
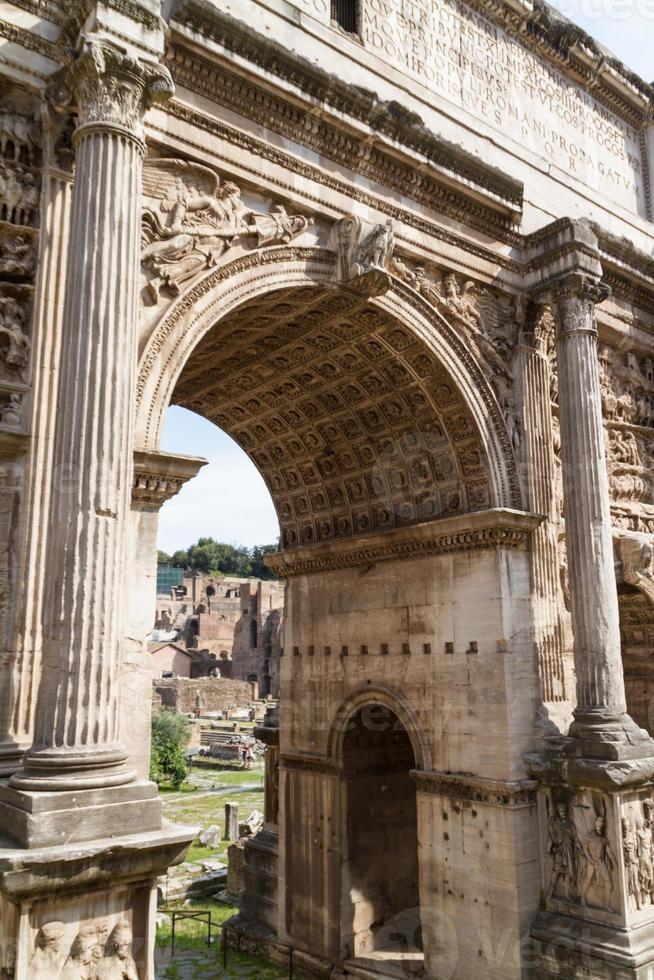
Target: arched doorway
<point>381,900</point>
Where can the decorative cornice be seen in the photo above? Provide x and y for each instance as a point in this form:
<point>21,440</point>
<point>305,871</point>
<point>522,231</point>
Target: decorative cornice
<point>303,762</point>
<point>43,10</point>
<point>618,276</point>
<point>497,528</point>
<point>446,177</point>
<point>29,40</point>
<point>513,794</point>
<point>138,13</point>
<point>160,476</point>
<point>576,54</point>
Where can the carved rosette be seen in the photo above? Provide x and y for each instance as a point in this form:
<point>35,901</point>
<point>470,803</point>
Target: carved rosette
<point>112,89</point>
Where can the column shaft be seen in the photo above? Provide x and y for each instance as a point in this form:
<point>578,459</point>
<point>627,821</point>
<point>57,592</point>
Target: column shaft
<point>541,478</point>
<point>76,733</point>
<point>601,720</point>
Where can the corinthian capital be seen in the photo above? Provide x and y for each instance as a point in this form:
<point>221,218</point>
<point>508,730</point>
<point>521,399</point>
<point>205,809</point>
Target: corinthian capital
<point>113,89</point>
<point>573,299</point>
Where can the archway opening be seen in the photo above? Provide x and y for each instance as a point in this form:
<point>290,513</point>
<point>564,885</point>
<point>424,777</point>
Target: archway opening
<point>381,902</point>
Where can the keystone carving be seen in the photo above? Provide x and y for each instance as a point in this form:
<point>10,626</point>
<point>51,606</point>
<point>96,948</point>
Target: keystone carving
<point>364,252</point>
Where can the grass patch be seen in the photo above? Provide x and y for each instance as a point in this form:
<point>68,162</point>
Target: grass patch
<point>204,806</point>
<point>194,955</point>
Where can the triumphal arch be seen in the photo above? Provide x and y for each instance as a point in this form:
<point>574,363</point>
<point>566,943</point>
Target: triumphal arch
<point>401,251</point>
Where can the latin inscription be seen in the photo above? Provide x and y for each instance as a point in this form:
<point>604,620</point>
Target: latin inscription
<point>474,64</point>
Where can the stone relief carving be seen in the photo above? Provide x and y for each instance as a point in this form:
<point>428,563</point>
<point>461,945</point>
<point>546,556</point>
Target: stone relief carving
<point>17,254</point>
<point>627,387</point>
<point>195,218</point>
<point>487,323</point>
<point>118,963</point>
<point>49,957</point>
<point>629,460</point>
<point>638,854</point>
<point>565,852</point>
<point>20,160</point>
<point>14,342</point>
<point>95,952</point>
<point>598,881</point>
<point>20,137</point>
<point>364,251</point>
<point>11,410</point>
<point>583,865</point>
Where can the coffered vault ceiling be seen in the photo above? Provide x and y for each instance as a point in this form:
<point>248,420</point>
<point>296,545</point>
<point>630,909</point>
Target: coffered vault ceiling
<point>351,419</point>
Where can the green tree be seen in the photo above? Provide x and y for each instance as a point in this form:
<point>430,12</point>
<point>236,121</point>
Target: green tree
<point>163,558</point>
<point>170,735</point>
<point>257,566</point>
<point>213,557</point>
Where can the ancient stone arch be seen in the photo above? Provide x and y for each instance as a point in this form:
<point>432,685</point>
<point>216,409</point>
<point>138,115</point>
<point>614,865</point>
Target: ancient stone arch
<point>368,696</point>
<point>447,397</point>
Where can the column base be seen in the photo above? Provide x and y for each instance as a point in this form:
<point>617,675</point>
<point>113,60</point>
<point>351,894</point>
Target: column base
<point>11,757</point>
<point>573,948</point>
<point>47,819</point>
<point>607,736</point>
<point>62,908</point>
<point>72,768</point>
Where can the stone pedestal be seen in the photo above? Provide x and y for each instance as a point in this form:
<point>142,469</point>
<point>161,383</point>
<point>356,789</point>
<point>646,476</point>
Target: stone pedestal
<point>60,905</point>
<point>597,916</point>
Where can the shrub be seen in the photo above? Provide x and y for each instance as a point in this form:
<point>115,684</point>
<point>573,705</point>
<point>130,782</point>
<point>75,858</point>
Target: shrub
<point>170,735</point>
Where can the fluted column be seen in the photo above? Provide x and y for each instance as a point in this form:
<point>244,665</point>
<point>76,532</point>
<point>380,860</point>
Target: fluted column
<point>18,680</point>
<point>541,483</point>
<point>601,721</point>
<point>76,733</point>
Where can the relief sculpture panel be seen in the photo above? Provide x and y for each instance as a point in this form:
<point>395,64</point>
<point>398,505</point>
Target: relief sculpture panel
<point>627,385</point>
<point>582,857</point>
<point>20,162</point>
<point>192,217</point>
<point>96,941</point>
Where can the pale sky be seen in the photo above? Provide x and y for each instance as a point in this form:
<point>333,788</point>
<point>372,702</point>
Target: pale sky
<point>625,27</point>
<point>228,500</point>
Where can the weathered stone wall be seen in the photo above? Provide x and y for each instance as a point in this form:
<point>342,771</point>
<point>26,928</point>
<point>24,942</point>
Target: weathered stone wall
<point>217,693</point>
<point>257,635</point>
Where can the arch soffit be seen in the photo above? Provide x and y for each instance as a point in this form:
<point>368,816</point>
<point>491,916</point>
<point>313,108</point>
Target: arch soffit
<point>235,282</point>
<point>396,703</point>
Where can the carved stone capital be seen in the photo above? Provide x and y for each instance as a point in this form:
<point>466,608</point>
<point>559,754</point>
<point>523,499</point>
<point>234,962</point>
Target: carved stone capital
<point>110,88</point>
<point>573,299</point>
